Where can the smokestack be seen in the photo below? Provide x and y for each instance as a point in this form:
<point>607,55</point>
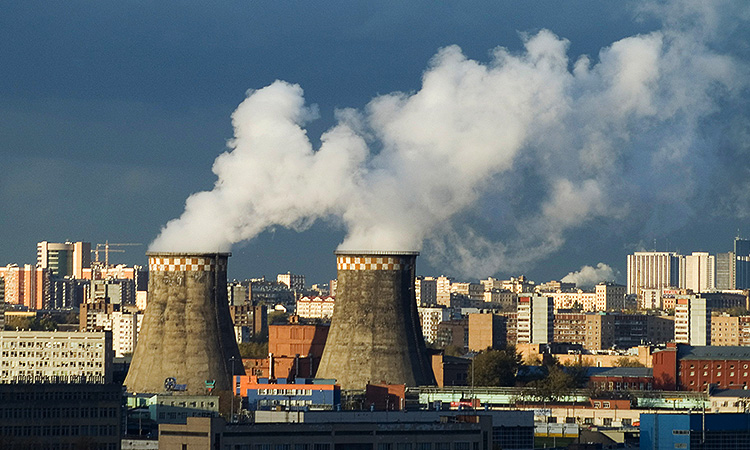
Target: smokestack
<point>187,332</point>
<point>375,334</point>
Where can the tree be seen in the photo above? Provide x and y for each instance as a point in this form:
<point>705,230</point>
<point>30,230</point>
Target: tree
<point>30,323</point>
<point>253,349</point>
<point>496,367</point>
<point>453,350</point>
<point>557,384</point>
<point>277,318</point>
<point>628,362</point>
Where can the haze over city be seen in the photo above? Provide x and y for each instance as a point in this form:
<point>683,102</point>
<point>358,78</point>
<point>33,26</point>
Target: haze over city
<point>497,140</point>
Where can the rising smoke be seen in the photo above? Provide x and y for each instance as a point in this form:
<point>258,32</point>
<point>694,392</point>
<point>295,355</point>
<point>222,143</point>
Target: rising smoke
<point>489,164</point>
<point>588,276</point>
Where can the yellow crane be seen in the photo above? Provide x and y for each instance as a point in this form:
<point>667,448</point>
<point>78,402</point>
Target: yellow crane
<point>107,250</point>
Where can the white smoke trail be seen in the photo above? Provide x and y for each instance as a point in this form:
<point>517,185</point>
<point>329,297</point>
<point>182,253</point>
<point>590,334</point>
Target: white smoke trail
<point>531,143</point>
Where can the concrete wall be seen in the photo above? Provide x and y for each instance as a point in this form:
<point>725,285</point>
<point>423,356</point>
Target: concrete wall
<point>375,334</point>
<point>187,332</point>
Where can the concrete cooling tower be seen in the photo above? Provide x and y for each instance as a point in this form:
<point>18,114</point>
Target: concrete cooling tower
<point>375,333</point>
<point>187,331</point>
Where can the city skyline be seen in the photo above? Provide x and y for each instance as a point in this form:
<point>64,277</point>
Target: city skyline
<point>108,130</point>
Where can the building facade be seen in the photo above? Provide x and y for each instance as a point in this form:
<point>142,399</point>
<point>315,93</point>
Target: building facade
<point>535,319</point>
<point>64,259</point>
<point>316,307</point>
<point>430,318</point>
<point>652,270</point>
<point>39,355</point>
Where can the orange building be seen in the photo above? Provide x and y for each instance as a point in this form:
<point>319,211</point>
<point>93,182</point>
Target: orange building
<point>27,285</point>
<point>294,351</point>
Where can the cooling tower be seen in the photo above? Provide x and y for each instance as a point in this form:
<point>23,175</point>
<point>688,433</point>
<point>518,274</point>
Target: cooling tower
<point>187,332</point>
<point>375,333</point>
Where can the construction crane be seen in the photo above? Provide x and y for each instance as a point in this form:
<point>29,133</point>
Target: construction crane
<point>107,250</point>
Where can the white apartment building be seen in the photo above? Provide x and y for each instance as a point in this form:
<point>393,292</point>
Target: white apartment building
<point>692,320</point>
<point>39,354</point>
<point>535,319</point>
<point>430,317</point>
<point>652,270</point>
<point>698,272</point>
<point>567,300</point>
<point>425,289</point>
<point>443,288</point>
<point>124,325</point>
<point>316,307</point>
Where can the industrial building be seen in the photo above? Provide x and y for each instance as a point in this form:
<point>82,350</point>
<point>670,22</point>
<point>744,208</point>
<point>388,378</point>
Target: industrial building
<point>695,431</point>
<point>320,430</point>
<point>375,333</point>
<point>301,393</point>
<point>187,331</point>
<point>60,415</point>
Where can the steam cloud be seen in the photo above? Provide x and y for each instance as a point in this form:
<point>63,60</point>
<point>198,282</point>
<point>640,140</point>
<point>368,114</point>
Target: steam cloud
<point>489,164</point>
<point>589,276</point>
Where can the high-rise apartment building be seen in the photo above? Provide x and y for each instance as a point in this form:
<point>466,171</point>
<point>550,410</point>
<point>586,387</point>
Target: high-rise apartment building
<point>64,260</point>
<point>725,271</point>
<point>443,290</point>
<point>26,285</point>
<point>698,272</point>
<point>652,270</point>
<point>742,263</point>
<point>535,319</point>
<point>692,320</point>
<point>609,296</point>
<point>425,289</point>
<point>431,318</point>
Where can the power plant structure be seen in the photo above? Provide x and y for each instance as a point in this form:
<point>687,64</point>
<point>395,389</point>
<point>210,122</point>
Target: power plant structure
<point>187,333</point>
<point>375,333</point>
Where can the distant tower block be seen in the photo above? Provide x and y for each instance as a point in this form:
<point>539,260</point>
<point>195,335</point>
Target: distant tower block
<point>375,333</point>
<point>187,331</point>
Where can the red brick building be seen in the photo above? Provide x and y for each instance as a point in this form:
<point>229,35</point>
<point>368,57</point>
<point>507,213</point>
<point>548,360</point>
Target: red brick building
<point>621,378</point>
<point>294,351</point>
<point>688,368</point>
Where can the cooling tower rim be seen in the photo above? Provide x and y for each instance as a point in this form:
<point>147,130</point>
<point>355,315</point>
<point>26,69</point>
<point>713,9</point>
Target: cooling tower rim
<point>190,254</point>
<point>376,253</point>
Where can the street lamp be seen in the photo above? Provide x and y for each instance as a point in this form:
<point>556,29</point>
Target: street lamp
<point>234,389</point>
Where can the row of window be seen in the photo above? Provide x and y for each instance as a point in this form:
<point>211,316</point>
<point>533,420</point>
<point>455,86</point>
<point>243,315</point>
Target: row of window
<point>55,413</point>
<point>380,446</point>
<point>284,391</point>
<point>59,446</point>
<point>61,395</point>
<point>59,430</point>
<point>47,343</point>
<point>45,363</point>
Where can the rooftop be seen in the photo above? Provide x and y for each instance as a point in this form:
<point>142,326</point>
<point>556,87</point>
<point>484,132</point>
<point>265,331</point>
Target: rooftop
<point>713,352</point>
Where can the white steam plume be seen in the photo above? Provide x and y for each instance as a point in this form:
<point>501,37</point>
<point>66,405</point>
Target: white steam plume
<point>589,276</point>
<point>488,163</point>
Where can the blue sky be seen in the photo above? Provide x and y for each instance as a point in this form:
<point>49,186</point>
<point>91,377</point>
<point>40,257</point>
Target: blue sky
<point>112,113</point>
